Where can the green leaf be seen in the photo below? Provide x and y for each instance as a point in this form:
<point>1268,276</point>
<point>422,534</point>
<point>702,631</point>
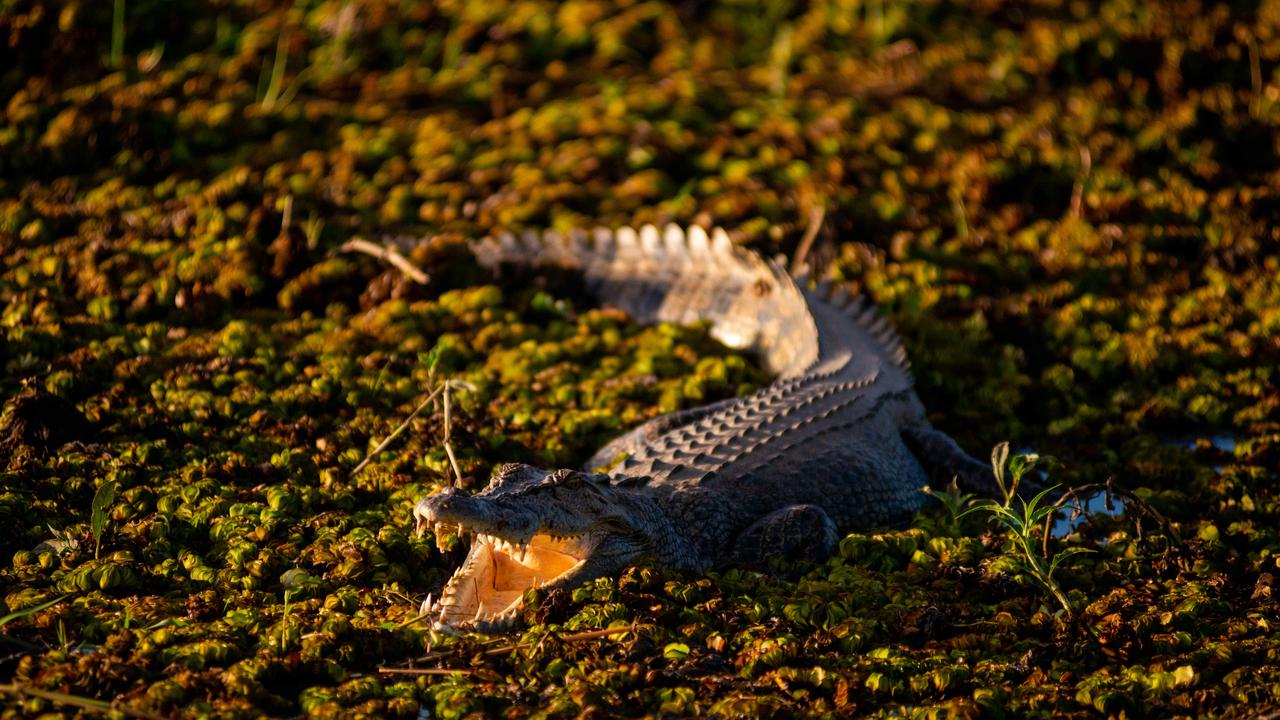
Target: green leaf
<point>675,651</point>
<point>999,454</point>
<point>1065,554</point>
<point>1020,465</point>
<point>102,499</point>
<point>296,579</point>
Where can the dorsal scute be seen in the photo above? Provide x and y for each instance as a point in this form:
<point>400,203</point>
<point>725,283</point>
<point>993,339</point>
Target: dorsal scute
<point>862,312</point>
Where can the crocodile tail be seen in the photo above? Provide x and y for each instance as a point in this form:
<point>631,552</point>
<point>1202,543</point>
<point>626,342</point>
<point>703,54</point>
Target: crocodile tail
<point>681,276</point>
<point>868,323</point>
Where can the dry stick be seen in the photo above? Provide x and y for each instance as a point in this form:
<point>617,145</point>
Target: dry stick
<point>1077,190</point>
<point>1076,494</point>
<point>448,434</point>
<point>504,650</point>
<point>586,635</point>
<point>84,703</point>
<point>396,433</point>
<point>1255,77</point>
<point>816,217</point>
<point>424,671</point>
<point>390,254</point>
<point>286,214</point>
<point>412,620</point>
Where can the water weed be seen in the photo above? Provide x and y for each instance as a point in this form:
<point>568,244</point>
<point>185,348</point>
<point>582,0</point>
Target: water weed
<point>1063,208</point>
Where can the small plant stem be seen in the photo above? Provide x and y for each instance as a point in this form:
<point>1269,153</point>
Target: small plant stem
<point>277,76</point>
<point>84,703</point>
<point>396,433</point>
<point>117,34</point>
<point>1043,574</point>
<point>284,623</point>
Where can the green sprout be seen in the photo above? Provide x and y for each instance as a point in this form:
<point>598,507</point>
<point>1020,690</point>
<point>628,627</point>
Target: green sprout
<point>274,84</point>
<point>26,612</point>
<point>102,499</point>
<point>117,34</point>
<point>955,501</point>
<point>1022,522</point>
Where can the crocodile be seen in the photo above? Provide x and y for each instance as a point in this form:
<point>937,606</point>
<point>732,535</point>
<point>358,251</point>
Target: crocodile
<point>838,441</point>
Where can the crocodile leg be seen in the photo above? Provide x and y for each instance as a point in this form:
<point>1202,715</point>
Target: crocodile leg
<point>630,443</point>
<point>795,532</point>
<point>944,460</point>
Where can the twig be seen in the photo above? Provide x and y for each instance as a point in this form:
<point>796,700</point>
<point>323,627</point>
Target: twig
<point>1077,495</point>
<point>585,635</point>
<point>396,433</point>
<point>507,649</point>
<point>286,214</point>
<point>448,433</point>
<point>84,703</point>
<point>1255,77</point>
<point>389,254</point>
<point>1077,190</point>
<point>424,671</point>
<point>816,216</point>
<point>961,215</point>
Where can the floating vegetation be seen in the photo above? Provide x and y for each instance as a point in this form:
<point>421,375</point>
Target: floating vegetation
<point>1067,208</point>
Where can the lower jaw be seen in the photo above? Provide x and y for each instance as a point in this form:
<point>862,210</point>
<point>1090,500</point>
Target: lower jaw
<point>494,625</point>
<point>492,610</point>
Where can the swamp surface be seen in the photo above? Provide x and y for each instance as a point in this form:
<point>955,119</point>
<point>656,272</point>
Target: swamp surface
<point>1067,208</point>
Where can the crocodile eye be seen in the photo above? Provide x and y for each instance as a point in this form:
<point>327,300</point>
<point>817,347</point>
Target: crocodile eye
<point>507,472</point>
<point>565,478</point>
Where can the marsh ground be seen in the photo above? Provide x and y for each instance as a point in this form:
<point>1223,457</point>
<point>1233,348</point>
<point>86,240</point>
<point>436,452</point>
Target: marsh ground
<point>1068,208</point>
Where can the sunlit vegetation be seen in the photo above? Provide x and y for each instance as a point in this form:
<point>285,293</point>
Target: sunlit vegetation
<point>1068,208</point>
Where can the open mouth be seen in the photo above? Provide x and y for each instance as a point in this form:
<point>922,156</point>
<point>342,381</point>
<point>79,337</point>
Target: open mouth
<point>487,592</point>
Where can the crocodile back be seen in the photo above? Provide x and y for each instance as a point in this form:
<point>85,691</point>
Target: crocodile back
<point>825,432</point>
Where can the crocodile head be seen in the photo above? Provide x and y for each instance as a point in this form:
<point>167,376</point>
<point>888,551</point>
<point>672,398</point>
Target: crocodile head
<point>531,528</point>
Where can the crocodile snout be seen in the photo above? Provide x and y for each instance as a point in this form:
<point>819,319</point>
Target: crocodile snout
<point>428,510</point>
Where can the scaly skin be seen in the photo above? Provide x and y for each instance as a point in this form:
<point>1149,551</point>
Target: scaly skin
<point>838,441</point>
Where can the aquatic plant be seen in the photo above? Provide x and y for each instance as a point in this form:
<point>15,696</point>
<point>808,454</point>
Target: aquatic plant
<point>1026,524</point>
<point>1063,207</point>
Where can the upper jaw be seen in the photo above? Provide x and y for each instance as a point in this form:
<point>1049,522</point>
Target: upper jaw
<point>449,510</point>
